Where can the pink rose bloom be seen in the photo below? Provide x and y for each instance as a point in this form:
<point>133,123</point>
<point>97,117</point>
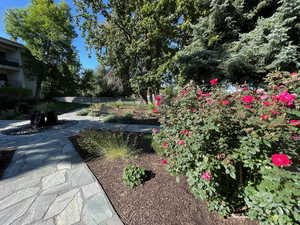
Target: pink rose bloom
<point>295,122</point>
<point>294,74</point>
<point>295,137</point>
<point>247,106</point>
<point>248,99</point>
<point>245,89</point>
<point>164,162</point>
<point>281,160</point>
<point>193,109</point>
<point>214,81</point>
<point>206,176</point>
<point>267,103</point>
<point>286,98</point>
<point>263,97</point>
<point>165,144</point>
<point>260,91</point>
<point>181,142</point>
<point>264,117</point>
<point>155,131</point>
<point>225,102</point>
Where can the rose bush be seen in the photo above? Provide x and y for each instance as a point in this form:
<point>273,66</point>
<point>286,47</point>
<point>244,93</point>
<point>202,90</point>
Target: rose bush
<point>222,141</point>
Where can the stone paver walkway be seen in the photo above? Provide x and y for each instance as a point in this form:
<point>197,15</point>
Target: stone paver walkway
<point>47,183</point>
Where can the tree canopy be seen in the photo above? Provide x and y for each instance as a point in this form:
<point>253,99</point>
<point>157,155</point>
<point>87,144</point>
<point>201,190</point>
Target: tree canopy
<point>148,43</point>
<point>47,30</point>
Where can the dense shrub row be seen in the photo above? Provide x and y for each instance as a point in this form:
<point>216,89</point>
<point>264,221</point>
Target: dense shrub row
<point>238,149</point>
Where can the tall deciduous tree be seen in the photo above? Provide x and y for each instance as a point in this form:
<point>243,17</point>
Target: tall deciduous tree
<point>138,39</point>
<point>47,30</point>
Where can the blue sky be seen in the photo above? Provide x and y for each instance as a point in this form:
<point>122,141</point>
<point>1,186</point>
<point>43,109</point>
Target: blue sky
<point>86,62</point>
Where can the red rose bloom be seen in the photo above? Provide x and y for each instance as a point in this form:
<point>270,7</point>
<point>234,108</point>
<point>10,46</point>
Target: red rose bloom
<point>275,113</point>
<point>225,102</point>
<point>155,110</point>
<point>164,162</point>
<point>214,81</point>
<point>248,99</point>
<point>157,103</point>
<point>165,144</point>
<point>158,98</point>
<point>295,122</point>
<point>247,106</point>
<point>281,160</point>
<point>267,103</point>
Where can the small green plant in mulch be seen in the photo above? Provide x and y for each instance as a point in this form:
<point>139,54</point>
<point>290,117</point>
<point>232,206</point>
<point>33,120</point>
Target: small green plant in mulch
<point>83,112</point>
<point>133,175</point>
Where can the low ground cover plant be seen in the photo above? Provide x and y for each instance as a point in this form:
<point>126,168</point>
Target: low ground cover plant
<point>133,175</point>
<point>110,145</point>
<point>237,149</point>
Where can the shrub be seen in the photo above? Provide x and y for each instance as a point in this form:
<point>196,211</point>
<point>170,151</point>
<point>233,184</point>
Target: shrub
<point>15,92</point>
<point>221,140</point>
<point>133,176</point>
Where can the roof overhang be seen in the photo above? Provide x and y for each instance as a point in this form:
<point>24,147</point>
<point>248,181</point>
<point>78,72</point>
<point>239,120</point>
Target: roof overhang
<point>9,43</point>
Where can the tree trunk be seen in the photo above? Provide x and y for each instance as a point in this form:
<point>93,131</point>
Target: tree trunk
<point>38,88</point>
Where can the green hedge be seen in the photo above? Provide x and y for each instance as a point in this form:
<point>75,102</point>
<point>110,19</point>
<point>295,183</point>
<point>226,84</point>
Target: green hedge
<point>15,92</point>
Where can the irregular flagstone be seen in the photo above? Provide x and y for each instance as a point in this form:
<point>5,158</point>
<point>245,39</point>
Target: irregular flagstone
<point>71,214</point>
<point>80,176</point>
<point>59,189</point>
<point>37,210</point>
<point>9,215</point>
<point>18,196</point>
<point>7,188</point>
<point>97,210</point>
<point>90,190</point>
<point>60,203</point>
<point>47,222</point>
<point>54,179</point>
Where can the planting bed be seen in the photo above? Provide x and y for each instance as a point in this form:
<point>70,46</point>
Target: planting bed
<point>159,201</point>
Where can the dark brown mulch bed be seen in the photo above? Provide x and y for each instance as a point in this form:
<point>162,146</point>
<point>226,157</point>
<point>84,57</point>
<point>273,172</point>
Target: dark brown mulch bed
<point>159,201</point>
<point>6,155</point>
